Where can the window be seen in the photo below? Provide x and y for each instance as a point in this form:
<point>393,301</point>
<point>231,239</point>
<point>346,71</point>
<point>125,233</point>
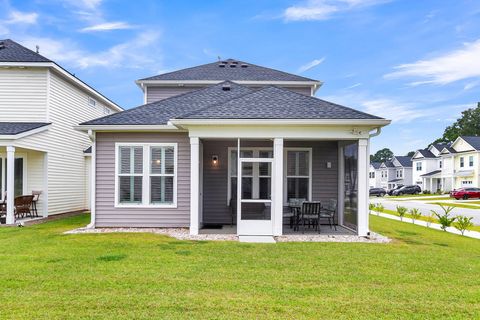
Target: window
<point>467,183</point>
<point>298,174</point>
<point>440,164</point>
<point>106,110</point>
<point>462,162</point>
<point>419,166</point>
<point>92,102</point>
<point>470,161</point>
<point>372,175</point>
<point>146,175</point>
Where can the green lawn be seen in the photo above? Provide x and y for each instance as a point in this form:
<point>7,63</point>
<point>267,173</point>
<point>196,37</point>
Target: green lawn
<point>424,218</point>
<point>423,274</point>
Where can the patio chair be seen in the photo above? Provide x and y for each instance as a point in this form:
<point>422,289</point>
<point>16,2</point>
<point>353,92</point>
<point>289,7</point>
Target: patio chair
<point>295,205</point>
<point>23,206</point>
<point>328,212</point>
<point>36,196</point>
<point>310,215</point>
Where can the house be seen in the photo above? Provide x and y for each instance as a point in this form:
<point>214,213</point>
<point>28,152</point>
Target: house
<point>229,142</point>
<point>387,174</point>
<point>402,171</point>
<point>427,168</point>
<point>466,167</point>
<point>40,103</point>
<point>373,176</point>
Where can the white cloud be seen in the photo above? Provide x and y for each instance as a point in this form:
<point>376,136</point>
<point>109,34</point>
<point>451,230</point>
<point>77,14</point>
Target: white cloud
<point>17,17</point>
<point>312,64</point>
<point>141,52</point>
<point>354,85</point>
<point>108,26</point>
<point>324,9</point>
<point>453,66</point>
<point>394,110</point>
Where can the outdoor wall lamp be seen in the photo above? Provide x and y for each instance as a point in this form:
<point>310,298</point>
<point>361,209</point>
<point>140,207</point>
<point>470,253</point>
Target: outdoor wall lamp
<point>214,160</point>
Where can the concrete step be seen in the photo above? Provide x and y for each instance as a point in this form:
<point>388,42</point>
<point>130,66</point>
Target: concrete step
<point>257,239</point>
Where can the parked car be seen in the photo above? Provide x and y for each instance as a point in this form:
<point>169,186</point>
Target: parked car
<point>413,189</point>
<point>379,192</point>
<point>390,191</point>
<point>465,193</point>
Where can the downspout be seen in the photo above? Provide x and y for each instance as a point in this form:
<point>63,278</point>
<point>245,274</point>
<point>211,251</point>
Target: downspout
<point>92,137</point>
<point>376,133</point>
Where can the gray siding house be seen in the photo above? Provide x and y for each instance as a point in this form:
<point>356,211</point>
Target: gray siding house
<point>229,143</point>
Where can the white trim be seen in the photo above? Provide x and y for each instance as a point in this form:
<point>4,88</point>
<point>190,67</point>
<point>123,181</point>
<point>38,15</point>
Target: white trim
<point>146,147</point>
<point>66,75</point>
<point>25,133</point>
<point>277,186</point>
<point>145,83</point>
<point>10,219</point>
<point>45,185</point>
<point>139,128</point>
<point>274,122</point>
<point>194,185</point>
<point>362,189</point>
<point>285,168</point>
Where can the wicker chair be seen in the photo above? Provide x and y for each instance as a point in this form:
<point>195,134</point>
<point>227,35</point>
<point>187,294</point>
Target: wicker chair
<point>23,205</point>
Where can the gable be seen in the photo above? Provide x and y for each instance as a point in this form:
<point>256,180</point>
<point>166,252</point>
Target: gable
<point>460,145</point>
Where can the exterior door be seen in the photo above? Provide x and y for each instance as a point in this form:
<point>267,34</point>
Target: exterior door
<point>254,201</point>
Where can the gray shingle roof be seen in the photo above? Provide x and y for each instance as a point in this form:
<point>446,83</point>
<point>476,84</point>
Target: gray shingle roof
<point>440,146</point>
<point>426,153</point>
<point>10,51</point>
<point>405,161</point>
<point>277,103</point>
<point>473,141</point>
<point>229,69</point>
<point>389,164</point>
<point>431,173</point>
<point>13,128</point>
<point>160,112</point>
<point>450,149</point>
<point>240,102</point>
<point>375,165</point>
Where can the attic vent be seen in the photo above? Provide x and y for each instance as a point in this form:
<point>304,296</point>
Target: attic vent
<point>244,65</point>
<point>233,65</point>
<point>221,65</point>
<point>226,87</point>
<point>234,62</point>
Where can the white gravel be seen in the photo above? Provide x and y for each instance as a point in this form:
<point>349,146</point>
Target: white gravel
<point>183,234</point>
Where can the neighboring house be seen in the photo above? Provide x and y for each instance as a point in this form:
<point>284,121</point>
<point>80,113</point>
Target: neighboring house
<point>227,142</point>
<point>427,168</point>
<point>387,173</point>
<point>466,166</point>
<point>402,173</point>
<point>373,175</point>
<point>40,103</point>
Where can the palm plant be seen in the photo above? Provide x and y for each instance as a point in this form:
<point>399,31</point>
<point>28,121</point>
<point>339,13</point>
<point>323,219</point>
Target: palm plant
<point>444,218</point>
<point>463,223</point>
<point>380,208</point>
<point>416,214</point>
<point>401,212</point>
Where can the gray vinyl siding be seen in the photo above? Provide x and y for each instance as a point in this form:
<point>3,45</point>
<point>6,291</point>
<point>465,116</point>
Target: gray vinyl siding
<point>109,216</point>
<point>160,93</point>
<point>215,179</point>
<point>157,93</point>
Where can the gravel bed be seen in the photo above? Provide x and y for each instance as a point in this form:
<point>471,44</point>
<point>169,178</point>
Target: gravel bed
<point>373,238</point>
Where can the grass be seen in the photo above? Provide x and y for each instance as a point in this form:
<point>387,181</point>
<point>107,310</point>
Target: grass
<point>458,205</point>
<point>423,274</point>
<point>423,218</point>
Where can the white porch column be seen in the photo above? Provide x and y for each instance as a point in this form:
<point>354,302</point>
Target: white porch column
<point>431,186</point>
<point>45,186</point>
<point>277,186</point>
<point>10,184</point>
<point>194,184</point>
<point>362,210</point>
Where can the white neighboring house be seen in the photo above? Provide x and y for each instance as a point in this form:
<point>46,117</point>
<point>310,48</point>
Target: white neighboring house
<point>40,103</point>
<point>428,170</point>
<point>374,175</point>
<point>387,173</point>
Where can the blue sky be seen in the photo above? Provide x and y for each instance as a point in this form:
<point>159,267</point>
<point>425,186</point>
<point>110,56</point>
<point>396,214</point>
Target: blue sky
<point>415,62</point>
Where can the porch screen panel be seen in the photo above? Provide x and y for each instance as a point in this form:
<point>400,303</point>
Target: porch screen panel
<point>351,185</point>
<point>18,177</point>
<point>298,174</point>
<point>162,174</point>
<point>247,178</point>
<point>130,174</point>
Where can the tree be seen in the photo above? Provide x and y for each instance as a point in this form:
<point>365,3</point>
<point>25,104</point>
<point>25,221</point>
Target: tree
<point>382,155</point>
<point>467,125</point>
<point>410,154</point>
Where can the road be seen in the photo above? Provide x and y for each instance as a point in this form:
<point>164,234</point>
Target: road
<point>426,207</point>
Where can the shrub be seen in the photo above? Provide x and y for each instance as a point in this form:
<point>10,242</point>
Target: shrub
<point>463,223</point>
<point>426,191</point>
<point>401,212</point>
<point>380,208</point>
<point>439,192</point>
<point>415,213</point>
<point>444,218</point>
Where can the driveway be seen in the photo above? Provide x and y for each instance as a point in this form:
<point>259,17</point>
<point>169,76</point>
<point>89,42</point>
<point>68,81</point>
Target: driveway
<point>391,204</point>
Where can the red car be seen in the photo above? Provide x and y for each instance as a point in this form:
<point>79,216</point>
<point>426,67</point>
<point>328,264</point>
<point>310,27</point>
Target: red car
<point>465,193</point>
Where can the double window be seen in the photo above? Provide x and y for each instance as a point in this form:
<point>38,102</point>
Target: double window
<point>146,175</point>
<point>419,166</point>
<point>298,174</point>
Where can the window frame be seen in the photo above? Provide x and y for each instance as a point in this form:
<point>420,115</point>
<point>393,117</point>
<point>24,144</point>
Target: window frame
<point>285,177</point>
<point>471,161</point>
<point>419,166</point>
<point>146,174</point>
<point>462,162</point>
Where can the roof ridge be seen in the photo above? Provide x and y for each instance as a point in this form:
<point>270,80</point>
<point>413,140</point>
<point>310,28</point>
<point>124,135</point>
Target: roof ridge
<point>170,72</point>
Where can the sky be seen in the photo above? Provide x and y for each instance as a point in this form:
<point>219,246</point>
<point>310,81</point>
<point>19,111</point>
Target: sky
<point>414,62</point>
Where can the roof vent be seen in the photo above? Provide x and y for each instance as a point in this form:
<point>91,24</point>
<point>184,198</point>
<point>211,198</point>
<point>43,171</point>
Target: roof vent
<point>226,87</point>
<point>233,65</point>
<point>221,65</point>
<point>2,44</point>
<point>244,65</point>
<point>234,62</point>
